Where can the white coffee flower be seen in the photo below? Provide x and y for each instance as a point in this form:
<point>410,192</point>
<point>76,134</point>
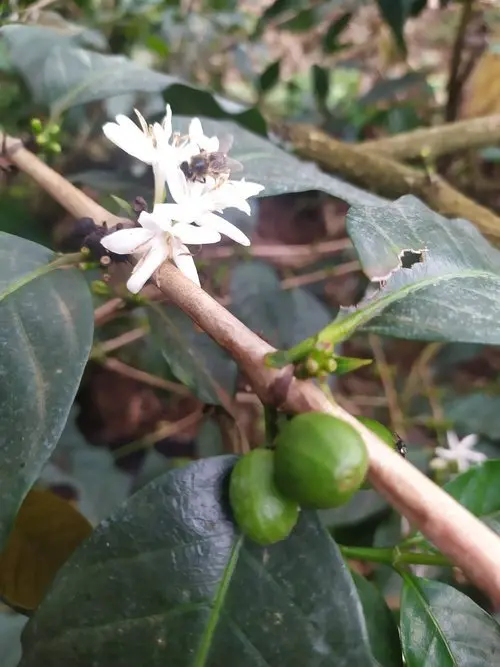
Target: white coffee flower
<point>157,240</point>
<point>148,143</point>
<point>198,202</point>
<point>460,451</point>
<point>187,146</point>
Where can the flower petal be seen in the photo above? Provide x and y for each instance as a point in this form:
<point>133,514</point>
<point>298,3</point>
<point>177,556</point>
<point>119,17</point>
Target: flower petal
<point>469,442</point>
<point>127,136</point>
<point>452,438</point>
<point>149,221</point>
<point>446,454</point>
<point>177,212</point>
<point>192,235</point>
<point>185,262</point>
<point>477,457</point>
<point>224,227</point>
<point>174,176</point>
<point>197,136</point>
<point>146,266</point>
<point>167,122</point>
<point>126,241</point>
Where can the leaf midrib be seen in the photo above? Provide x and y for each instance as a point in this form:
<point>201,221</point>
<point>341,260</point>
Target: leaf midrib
<point>427,609</point>
<point>200,658</point>
<point>367,312</point>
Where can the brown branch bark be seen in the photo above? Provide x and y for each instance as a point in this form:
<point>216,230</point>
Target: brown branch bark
<point>469,543</point>
<point>389,178</point>
<point>438,140</point>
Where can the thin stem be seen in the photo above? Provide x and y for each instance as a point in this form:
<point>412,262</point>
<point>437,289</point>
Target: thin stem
<point>455,81</point>
<point>71,259</point>
<point>393,557</point>
<point>397,417</point>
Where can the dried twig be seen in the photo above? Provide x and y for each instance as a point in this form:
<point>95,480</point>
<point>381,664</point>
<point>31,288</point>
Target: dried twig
<point>146,378</point>
<point>388,177</point>
<point>437,140</point>
<point>397,417</point>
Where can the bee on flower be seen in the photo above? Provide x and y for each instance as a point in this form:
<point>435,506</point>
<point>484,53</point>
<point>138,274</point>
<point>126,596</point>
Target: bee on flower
<point>197,172</point>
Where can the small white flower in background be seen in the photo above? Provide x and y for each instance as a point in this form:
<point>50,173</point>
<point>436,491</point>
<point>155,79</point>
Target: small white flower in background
<point>157,240</point>
<point>460,451</point>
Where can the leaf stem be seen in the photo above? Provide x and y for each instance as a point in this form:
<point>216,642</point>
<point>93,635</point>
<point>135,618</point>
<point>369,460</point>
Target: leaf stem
<point>70,259</point>
<point>393,556</point>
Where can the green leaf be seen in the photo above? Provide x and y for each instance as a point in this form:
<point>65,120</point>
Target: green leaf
<point>167,580</point>
<point>382,628</point>
<point>321,83</point>
<point>441,627</point>
<point>302,21</point>
<point>269,77</point>
<point>61,74</point>
<point>194,358</point>
<point>475,413</point>
<point>91,471</point>
<point>46,326</point>
<point>277,170</point>
<point>451,295</point>
<point>350,364</point>
<point>11,626</point>
<point>335,29</point>
<point>478,490</point>
<point>395,13</point>
<point>363,505</point>
<point>283,317</point>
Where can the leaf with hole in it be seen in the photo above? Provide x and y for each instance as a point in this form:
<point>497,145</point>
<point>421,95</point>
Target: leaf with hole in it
<point>194,358</point>
<point>449,290</point>
<point>478,490</point>
<point>168,581</point>
<point>441,627</point>
<point>46,532</point>
<point>46,326</point>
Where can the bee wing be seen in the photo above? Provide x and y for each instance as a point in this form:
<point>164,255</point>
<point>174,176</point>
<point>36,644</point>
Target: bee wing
<point>225,143</point>
<point>233,165</point>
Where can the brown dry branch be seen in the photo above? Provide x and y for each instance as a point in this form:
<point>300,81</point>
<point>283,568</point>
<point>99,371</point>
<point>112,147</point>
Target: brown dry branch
<point>438,140</point>
<point>460,536</point>
<point>387,177</point>
<point>155,381</point>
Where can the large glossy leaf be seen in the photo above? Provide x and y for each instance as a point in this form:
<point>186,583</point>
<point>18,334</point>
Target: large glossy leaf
<point>283,317</point>
<point>441,627</point>
<point>382,628</point>
<point>452,295</point>
<point>54,66</point>
<point>194,358</point>
<point>60,73</point>
<point>46,325</point>
<point>279,171</point>
<point>168,581</point>
<point>478,490</point>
